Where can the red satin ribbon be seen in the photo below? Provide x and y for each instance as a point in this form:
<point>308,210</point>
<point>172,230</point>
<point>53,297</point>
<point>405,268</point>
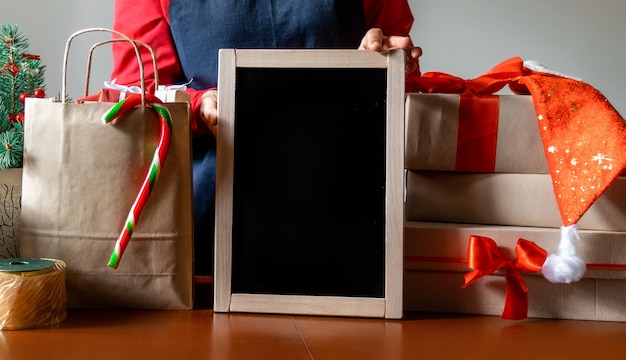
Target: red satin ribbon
<point>485,258</point>
<point>606,266</point>
<point>477,132</point>
<point>478,110</point>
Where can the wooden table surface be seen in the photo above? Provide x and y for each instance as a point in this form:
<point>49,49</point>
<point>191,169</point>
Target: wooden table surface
<point>202,334</point>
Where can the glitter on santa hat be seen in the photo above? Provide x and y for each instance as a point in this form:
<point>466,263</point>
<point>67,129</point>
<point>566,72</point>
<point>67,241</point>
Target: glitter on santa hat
<point>584,138</point>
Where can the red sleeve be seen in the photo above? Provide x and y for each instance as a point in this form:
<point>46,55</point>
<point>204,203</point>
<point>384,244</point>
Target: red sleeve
<point>197,126</point>
<point>394,17</point>
<point>147,21</point>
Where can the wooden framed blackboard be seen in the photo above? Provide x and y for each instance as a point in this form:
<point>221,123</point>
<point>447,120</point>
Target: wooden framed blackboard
<point>309,189</point>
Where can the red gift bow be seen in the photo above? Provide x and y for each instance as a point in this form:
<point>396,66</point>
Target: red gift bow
<point>507,72</point>
<point>478,110</point>
<point>485,258</point>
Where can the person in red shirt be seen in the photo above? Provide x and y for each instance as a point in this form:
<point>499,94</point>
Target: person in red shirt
<point>187,34</point>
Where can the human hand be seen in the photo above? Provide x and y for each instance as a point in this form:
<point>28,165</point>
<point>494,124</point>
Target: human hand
<point>208,110</point>
<point>375,40</point>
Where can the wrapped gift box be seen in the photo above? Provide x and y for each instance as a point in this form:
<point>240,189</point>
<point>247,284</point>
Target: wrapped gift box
<point>436,138</point>
<point>172,95</point>
<point>588,299</point>
<point>435,262</point>
<point>504,199</point>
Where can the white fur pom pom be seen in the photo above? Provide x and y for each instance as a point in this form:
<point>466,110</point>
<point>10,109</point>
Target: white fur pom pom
<point>565,266</point>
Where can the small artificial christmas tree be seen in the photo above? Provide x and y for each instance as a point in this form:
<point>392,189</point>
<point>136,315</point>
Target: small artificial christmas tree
<point>21,76</point>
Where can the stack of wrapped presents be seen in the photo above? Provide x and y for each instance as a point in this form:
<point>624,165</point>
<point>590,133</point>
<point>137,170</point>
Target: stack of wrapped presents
<point>478,167</point>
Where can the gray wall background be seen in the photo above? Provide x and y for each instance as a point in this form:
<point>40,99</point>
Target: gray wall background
<point>48,24</point>
<point>581,38</point>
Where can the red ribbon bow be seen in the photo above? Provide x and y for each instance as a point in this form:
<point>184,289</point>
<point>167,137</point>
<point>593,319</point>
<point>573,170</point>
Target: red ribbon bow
<point>485,258</point>
<point>507,72</point>
<point>478,110</point>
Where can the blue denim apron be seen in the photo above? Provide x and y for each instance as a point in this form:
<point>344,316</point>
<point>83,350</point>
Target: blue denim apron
<point>201,27</point>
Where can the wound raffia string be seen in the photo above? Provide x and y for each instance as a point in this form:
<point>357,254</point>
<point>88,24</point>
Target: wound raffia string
<point>165,135</point>
<point>32,293</point>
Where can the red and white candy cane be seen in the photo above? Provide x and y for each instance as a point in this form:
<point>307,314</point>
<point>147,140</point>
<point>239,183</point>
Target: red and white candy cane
<point>158,159</point>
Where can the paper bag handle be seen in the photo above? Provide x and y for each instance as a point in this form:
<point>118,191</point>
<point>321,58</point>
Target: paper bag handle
<point>141,43</point>
<point>131,41</point>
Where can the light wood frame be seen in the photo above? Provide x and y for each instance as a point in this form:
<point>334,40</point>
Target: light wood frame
<point>390,306</point>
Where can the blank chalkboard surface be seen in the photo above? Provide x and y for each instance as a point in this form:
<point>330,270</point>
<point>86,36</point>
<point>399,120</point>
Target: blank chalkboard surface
<point>309,182</point>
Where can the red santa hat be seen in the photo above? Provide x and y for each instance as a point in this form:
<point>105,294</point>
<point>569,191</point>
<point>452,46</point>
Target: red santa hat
<point>584,139</point>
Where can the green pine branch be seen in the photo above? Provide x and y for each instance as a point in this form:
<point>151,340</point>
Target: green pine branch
<point>20,73</point>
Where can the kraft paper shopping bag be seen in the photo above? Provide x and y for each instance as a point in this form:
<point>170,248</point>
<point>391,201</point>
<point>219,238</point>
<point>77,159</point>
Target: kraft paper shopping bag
<point>81,177</point>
